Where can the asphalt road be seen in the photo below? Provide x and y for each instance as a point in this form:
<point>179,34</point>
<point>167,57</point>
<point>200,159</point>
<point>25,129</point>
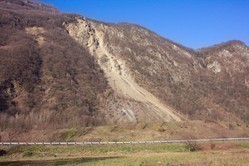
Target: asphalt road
<point>131,142</point>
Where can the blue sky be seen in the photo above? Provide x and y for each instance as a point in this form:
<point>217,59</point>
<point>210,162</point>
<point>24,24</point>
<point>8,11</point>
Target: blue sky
<point>193,23</point>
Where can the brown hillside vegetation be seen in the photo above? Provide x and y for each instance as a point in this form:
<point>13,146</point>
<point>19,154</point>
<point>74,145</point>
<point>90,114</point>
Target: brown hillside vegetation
<point>62,70</point>
<point>55,83</point>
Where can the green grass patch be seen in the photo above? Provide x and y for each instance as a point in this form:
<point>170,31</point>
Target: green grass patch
<point>28,154</point>
<point>93,150</point>
<point>244,145</point>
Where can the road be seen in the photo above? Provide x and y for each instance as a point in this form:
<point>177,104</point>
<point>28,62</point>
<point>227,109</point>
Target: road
<point>116,143</point>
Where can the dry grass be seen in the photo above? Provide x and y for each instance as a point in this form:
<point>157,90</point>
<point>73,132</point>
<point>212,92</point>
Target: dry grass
<point>135,132</point>
<point>160,154</point>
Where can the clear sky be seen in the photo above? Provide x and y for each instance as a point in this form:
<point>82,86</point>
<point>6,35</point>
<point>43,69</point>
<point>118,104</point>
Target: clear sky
<point>193,23</point>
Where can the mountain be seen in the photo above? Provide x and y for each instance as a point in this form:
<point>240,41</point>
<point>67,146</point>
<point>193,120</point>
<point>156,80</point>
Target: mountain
<point>63,70</point>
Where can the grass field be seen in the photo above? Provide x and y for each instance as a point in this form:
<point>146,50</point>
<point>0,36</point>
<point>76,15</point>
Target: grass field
<point>225,153</point>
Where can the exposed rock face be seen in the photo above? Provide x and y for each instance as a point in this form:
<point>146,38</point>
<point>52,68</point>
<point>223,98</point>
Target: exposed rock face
<point>60,70</point>
<point>215,67</point>
<point>119,77</point>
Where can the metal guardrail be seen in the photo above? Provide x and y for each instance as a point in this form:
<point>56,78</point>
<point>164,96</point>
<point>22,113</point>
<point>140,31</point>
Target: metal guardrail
<point>118,143</point>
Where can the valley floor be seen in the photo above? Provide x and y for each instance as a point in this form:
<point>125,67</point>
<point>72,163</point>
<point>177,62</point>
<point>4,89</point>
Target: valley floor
<point>215,153</point>
<point>211,153</point>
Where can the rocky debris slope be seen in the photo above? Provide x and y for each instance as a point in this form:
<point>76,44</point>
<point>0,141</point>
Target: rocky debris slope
<point>119,75</point>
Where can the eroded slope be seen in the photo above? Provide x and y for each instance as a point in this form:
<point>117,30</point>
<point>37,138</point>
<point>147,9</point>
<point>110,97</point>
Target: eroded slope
<point>118,74</point>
